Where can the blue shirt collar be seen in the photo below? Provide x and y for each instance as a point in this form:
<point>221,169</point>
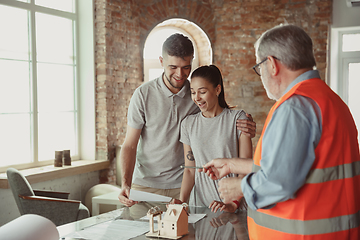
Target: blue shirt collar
<point>305,76</point>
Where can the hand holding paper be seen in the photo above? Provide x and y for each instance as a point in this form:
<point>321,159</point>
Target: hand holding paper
<point>124,197</point>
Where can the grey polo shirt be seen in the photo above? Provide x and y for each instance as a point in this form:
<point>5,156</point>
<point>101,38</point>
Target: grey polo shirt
<point>158,112</point>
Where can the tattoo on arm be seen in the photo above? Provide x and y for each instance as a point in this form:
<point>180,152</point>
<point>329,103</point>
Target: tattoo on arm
<point>190,156</point>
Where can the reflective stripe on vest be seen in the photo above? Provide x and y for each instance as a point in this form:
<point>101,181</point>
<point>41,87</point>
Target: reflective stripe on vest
<point>308,227</point>
<point>328,174</point>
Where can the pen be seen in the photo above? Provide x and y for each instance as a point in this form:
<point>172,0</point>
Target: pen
<point>191,167</point>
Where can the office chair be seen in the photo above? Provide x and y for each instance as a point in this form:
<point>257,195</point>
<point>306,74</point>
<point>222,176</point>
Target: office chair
<point>52,205</point>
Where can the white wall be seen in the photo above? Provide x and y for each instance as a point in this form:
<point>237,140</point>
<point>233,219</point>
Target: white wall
<point>76,185</point>
<point>344,16</point>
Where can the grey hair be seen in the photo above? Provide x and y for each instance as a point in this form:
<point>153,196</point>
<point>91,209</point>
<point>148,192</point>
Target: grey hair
<point>290,44</point>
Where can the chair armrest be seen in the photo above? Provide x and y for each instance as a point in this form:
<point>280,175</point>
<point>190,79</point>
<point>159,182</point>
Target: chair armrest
<point>52,194</point>
<point>41,198</point>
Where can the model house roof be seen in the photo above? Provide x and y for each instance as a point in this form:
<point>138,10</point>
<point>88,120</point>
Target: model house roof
<point>173,212</point>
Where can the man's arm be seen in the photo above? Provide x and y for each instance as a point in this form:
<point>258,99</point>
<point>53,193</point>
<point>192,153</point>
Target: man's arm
<point>288,152</point>
<point>127,163</point>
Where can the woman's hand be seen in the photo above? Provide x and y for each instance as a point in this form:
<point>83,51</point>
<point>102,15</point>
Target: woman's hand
<point>174,201</point>
<point>217,205</point>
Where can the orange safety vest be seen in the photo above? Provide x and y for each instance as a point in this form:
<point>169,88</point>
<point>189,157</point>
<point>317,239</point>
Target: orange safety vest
<point>327,206</point>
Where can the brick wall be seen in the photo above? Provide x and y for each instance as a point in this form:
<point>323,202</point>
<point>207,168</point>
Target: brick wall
<point>121,27</point>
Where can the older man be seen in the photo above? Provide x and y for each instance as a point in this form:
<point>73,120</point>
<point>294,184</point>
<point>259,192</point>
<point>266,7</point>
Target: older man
<point>306,174</point>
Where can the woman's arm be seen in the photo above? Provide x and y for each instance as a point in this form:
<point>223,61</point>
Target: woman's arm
<point>189,174</point>
<point>245,153</point>
<point>245,146</point>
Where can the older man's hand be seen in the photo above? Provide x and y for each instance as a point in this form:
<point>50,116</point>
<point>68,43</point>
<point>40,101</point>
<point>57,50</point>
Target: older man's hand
<point>216,168</point>
<point>230,189</point>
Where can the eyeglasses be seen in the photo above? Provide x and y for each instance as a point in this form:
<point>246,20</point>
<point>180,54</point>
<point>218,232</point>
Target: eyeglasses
<point>257,66</point>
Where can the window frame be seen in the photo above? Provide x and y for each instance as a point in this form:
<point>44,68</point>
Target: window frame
<point>84,74</point>
<point>338,59</point>
<point>339,62</point>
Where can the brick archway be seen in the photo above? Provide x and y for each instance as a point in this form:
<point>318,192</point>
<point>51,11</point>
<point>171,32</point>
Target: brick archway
<point>196,14</point>
<point>202,41</point>
<point>203,49</point>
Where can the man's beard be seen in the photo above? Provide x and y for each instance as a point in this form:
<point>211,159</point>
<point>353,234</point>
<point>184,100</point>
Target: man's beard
<point>171,82</point>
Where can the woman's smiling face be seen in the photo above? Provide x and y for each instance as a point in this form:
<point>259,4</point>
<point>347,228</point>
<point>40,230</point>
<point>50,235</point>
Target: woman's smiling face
<point>205,95</point>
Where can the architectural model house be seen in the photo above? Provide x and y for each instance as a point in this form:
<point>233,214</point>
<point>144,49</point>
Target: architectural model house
<point>174,224</point>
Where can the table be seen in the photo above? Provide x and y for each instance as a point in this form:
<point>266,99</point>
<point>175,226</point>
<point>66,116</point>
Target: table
<point>108,198</point>
<point>214,226</point>
<point>87,222</point>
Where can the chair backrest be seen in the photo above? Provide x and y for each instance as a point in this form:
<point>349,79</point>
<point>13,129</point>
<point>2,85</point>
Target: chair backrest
<point>19,186</point>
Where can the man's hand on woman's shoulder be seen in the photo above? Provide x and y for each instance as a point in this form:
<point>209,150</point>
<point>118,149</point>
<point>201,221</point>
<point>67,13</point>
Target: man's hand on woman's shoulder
<point>247,126</point>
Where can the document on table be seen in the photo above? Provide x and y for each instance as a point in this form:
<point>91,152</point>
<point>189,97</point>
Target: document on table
<point>112,230</point>
<point>136,195</point>
<point>193,218</point>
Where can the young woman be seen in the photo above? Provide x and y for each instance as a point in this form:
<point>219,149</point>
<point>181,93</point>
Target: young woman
<point>208,135</point>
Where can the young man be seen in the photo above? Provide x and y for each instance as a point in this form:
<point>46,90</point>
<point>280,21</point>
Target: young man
<point>151,154</point>
<point>307,179</point>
